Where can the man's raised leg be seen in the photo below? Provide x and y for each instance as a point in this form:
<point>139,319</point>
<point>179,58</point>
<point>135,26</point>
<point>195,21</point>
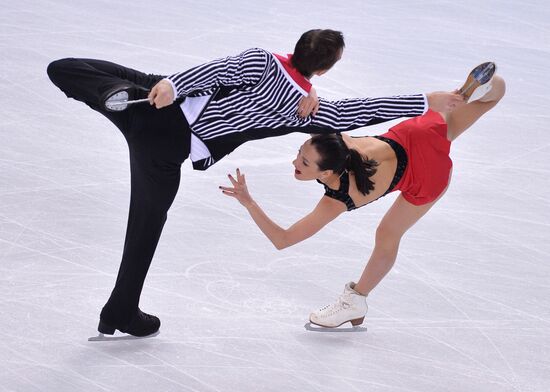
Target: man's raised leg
<point>90,81</point>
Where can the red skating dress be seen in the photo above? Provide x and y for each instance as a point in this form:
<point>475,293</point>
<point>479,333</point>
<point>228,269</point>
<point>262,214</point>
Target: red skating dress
<point>424,139</point>
<point>423,163</point>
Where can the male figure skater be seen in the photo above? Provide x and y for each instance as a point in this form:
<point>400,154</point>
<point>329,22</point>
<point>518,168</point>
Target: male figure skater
<point>205,113</point>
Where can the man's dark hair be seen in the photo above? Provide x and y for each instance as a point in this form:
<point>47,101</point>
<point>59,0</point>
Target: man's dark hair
<point>317,50</point>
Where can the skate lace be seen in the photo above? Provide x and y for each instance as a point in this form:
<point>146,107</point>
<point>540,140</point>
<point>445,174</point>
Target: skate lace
<point>343,303</point>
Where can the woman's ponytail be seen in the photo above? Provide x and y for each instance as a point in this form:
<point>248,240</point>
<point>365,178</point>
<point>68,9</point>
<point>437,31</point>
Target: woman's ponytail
<point>336,156</point>
<point>363,169</point>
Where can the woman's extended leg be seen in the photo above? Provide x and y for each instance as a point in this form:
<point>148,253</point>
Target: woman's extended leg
<point>462,118</point>
<point>351,306</point>
<point>401,216</point>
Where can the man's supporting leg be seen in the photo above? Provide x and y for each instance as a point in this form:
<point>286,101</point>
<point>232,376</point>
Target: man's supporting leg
<point>159,143</point>
<point>152,192</point>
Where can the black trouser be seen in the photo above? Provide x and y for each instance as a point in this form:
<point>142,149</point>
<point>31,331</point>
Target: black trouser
<point>158,141</point>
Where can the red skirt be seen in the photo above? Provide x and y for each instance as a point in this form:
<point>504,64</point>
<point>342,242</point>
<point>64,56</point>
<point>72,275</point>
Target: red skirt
<point>424,139</point>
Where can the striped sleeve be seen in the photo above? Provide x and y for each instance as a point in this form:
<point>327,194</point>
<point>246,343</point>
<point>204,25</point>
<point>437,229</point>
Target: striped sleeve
<point>354,113</point>
<point>246,68</point>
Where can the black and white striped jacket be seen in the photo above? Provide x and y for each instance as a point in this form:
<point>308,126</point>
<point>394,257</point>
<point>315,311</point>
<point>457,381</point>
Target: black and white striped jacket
<point>255,94</point>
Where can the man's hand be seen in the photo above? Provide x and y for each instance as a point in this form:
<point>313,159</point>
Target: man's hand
<point>308,105</point>
<point>442,101</point>
<point>161,94</point>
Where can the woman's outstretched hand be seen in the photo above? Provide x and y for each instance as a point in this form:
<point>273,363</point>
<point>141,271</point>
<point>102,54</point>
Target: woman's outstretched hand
<point>239,190</point>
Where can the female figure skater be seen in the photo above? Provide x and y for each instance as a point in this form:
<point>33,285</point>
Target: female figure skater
<point>412,157</point>
<point>205,113</point>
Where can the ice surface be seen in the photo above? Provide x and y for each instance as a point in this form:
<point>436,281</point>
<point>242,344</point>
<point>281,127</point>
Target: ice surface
<point>467,306</point>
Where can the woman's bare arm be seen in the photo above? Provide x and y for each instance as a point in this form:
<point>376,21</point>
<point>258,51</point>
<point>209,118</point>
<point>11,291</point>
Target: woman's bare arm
<point>326,210</point>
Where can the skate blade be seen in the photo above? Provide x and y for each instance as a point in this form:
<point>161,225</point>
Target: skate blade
<point>117,102</point>
<point>479,76</point>
<point>317,328</point>
<point>102,338</point>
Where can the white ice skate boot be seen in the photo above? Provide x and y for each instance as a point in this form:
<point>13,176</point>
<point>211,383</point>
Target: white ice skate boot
<point>478,82</point>
<point>350,306</point>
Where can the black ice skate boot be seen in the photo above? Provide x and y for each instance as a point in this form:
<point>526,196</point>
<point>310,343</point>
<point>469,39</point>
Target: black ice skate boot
<point>142,324</point>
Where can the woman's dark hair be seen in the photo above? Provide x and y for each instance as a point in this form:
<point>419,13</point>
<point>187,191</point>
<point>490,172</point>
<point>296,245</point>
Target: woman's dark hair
<point>336,156</point>
<point>317,50</point>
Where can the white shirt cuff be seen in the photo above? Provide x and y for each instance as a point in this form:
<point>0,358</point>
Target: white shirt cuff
<point>426,106</point>
<point>174,89</point>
